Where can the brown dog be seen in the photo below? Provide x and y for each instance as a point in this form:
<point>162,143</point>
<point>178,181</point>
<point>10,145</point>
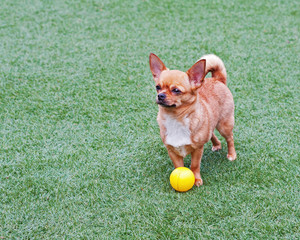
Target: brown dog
<point>191,107</point>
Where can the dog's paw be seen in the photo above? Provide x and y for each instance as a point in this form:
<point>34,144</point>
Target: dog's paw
<point>231,157</point>
<point>198,182</point>
<point>216,148</point>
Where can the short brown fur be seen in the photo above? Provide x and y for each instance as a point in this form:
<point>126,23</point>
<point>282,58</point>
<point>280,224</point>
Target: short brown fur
<point>191,107</point>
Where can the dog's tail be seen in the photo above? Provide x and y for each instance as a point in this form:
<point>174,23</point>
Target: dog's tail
<point>216,66</point>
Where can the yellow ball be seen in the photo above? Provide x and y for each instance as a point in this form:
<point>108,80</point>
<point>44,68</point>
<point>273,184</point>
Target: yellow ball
<point>182,179</point>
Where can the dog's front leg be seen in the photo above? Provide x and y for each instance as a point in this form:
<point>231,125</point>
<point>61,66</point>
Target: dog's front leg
<point>176,159</point>
<point>195,165</point>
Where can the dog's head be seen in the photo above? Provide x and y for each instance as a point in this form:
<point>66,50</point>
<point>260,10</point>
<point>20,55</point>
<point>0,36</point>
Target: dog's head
<point>176,88</point>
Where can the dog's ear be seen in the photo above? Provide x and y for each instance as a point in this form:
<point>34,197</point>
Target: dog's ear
<point>197,73</point>
<point>156,66</point>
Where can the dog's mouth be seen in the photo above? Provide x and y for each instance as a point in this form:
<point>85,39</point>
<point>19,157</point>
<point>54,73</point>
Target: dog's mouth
<point>163,104</point>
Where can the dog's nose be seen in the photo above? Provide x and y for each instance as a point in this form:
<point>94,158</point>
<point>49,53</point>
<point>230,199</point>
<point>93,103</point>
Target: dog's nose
<point>161,96</point>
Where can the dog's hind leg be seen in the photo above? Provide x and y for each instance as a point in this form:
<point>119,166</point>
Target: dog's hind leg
<point>216,143</point>
<point>225,128</point>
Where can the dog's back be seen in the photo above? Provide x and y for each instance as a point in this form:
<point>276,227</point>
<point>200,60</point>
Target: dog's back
<point>214,90</point>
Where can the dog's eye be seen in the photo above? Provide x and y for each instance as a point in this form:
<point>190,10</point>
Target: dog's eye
<point>158,87</point>
<point>176,90</point>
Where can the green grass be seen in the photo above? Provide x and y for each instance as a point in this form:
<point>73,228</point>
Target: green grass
<point>80,151</point>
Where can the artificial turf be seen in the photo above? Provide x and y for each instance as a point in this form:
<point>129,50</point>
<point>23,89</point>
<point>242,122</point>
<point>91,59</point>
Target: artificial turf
<point>80,151</point>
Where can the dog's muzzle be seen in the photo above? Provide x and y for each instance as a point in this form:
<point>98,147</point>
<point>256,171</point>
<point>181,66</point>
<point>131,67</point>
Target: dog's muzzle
<point>161,100</point>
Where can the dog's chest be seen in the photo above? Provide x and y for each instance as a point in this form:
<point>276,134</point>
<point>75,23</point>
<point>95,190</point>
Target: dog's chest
<point>178,134</point>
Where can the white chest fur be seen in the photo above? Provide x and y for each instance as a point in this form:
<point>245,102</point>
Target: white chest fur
<point>178,133</point>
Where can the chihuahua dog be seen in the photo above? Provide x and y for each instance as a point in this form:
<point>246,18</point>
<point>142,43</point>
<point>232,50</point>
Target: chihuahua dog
<point>191,107</point>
